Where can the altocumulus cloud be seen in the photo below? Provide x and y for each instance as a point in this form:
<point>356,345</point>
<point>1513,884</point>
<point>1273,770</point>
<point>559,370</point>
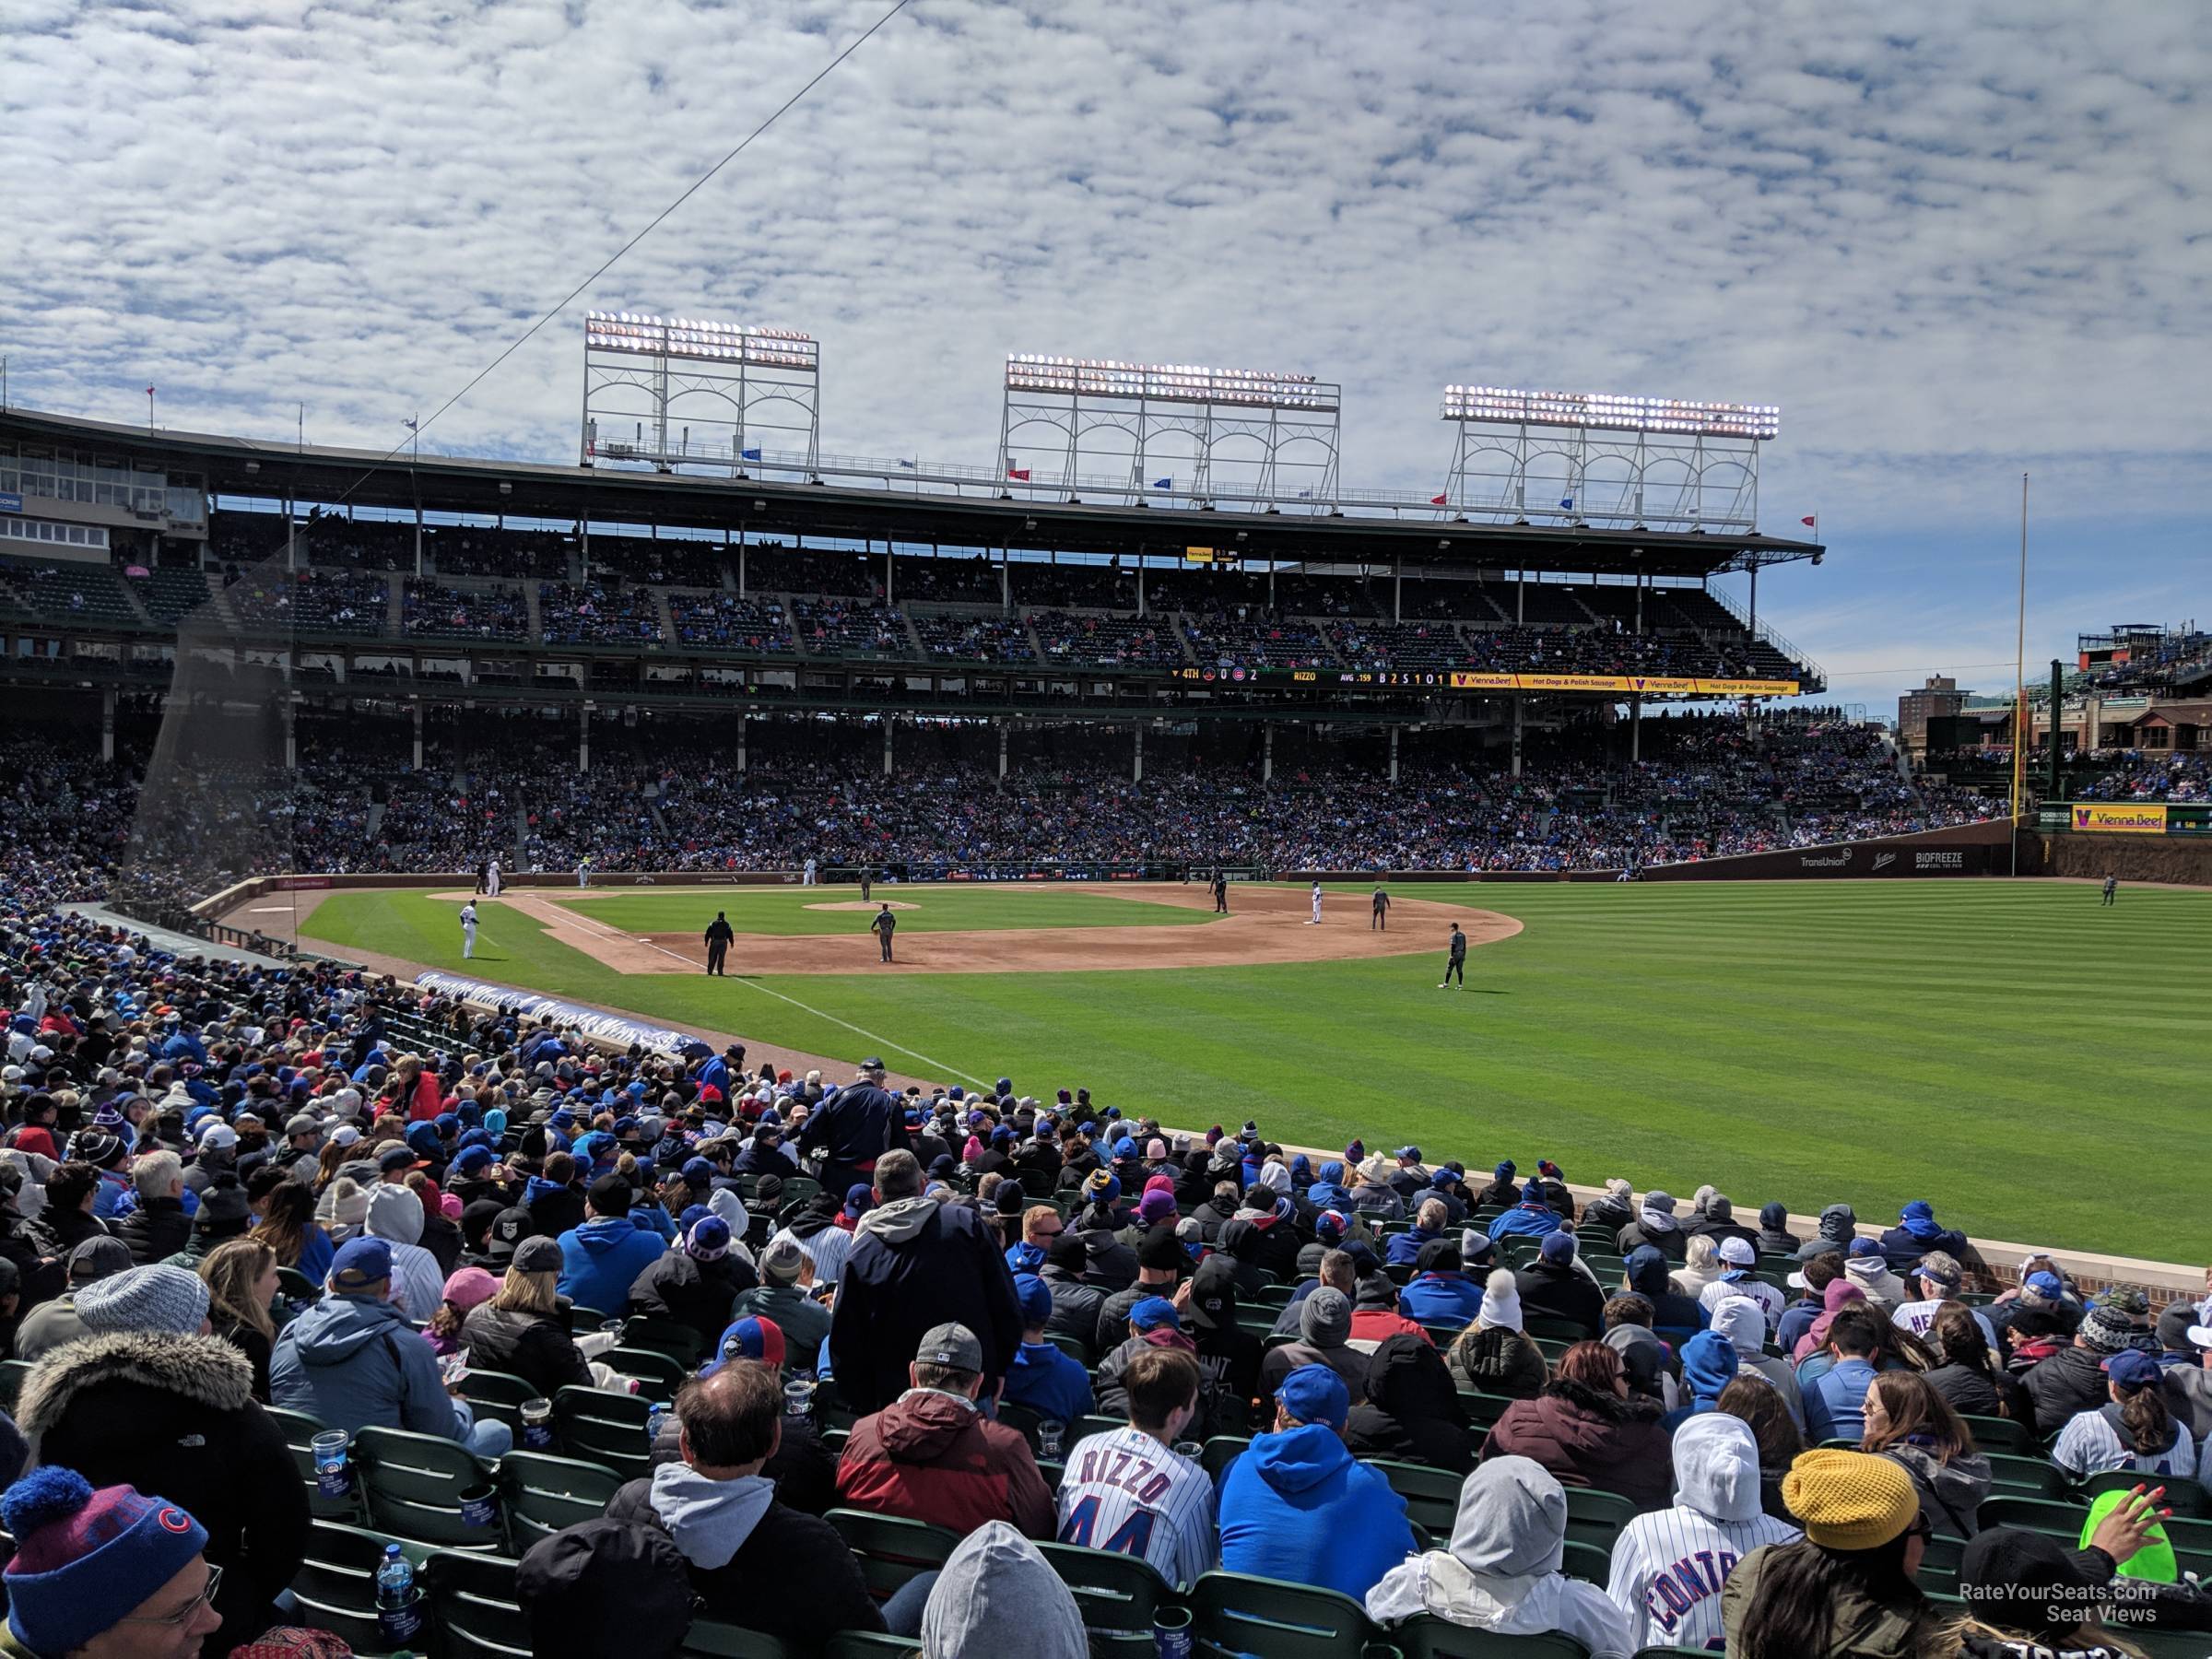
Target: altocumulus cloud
<point>1942,238</point>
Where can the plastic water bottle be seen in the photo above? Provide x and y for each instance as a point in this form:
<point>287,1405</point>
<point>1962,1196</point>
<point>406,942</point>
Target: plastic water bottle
<point>654,1418</point>
<point>394,1579</point>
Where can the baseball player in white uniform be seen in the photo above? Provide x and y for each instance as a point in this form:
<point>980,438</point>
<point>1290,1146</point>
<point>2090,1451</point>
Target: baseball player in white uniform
<point>491,880</point>
<point>1668,1567</point>
<point>1130,1489</point>
<point>1316,918</point>
<point>806,875</point>
<point>468,930</point>
<point>583,872</point>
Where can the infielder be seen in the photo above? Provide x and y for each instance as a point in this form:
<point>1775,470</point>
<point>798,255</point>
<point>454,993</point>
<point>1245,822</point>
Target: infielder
<point>807,874</point>
<point>867,883</point>
<point>1379,912</point>
<point>883,925</point>
<point>468,930</point>
<point>491,880</point>
<point>1456,965</point>
<point>1314,921</point>
<point>1220,891</point>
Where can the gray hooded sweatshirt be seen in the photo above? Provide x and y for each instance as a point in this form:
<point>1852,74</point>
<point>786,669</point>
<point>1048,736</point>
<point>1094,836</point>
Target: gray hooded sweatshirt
<point>1502,1571</point>
<point>997,1594</point>
<point>1668,1567</point>
<point>395,1217</point>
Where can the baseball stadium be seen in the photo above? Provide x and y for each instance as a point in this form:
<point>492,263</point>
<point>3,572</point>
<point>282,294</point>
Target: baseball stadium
<point>1099,1043</point>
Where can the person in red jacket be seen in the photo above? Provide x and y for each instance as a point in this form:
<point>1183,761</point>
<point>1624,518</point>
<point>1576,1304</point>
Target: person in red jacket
<point>932,1455</point>
<point>416,1088</point>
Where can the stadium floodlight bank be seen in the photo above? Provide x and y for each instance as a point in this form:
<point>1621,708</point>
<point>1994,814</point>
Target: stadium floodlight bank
<point>1098,428</point>
<point>690,394</point>
<point>1604,458</point>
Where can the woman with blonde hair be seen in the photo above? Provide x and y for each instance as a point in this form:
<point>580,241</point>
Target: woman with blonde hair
<point>520,1330</point>
<point>1701,1267</point>
<point>240,1277</point>
<point>415,1092</point>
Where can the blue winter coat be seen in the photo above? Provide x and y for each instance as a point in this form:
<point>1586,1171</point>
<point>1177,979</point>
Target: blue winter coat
<point>1298,1506</point>
<point>1049,1383</point>
<point>602,1259</point>
<point>1405,1248</point>
<point>1445,1298</point>
<point>350,1362</point>
<point>1835,1402</point>
<point>1533,1219</point>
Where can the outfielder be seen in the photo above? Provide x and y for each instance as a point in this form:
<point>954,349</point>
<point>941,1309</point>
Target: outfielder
<point>1315,920</point>
<point>468,930</point>
<point>1456,965</point>
<point>1668,1567</point>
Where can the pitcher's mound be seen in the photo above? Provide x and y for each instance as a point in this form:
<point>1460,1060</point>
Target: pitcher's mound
<point>863,904</point>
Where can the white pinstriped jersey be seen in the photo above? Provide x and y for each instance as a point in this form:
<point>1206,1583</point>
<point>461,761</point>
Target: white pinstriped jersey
<point>1669,1568</point>
<point>1124,1490</point>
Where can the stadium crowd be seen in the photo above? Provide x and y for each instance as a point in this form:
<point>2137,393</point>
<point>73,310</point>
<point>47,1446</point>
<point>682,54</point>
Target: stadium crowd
<point>243,1205</point>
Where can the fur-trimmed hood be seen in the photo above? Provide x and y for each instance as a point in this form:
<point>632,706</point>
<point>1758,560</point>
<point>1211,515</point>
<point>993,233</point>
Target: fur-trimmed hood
<point>205,1370</point>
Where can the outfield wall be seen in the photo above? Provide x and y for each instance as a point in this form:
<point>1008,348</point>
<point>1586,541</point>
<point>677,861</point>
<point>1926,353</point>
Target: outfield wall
<point>2092,857</point>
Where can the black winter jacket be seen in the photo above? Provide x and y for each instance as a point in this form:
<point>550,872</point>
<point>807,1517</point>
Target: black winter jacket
<point>175,1415</point>
<point>2071,1381</point>
<point>533,1347</point>
<point>916,1263</point>
<point>678,1286</point>
<point>156,1230</point>
<point>793,1577</point>
<point>1562,1293</point>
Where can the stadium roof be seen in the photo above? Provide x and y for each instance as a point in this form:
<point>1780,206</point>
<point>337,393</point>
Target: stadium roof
<point>317,474</point>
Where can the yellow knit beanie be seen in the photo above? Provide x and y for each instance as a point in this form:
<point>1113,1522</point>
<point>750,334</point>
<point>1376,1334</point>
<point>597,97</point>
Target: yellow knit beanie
<point>1850,1499</point>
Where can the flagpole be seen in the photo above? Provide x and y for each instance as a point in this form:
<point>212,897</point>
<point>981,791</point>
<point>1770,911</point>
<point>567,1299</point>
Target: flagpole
<point>2020,706</point>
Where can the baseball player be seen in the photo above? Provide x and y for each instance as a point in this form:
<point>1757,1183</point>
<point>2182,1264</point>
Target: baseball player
<point>883,925</point>
<point>867,884</point>
<point>1314,921</point>
<point>583,871</point>
<point>1456,965</point>
<point>491,880</point>
<point>1379,911</point>
<point>807,874</point>
<point>2112,887</point>
<point>468,930</point>
<point>1130,1490</point>
<point>1668,1567</point>
<point>1220,891</point>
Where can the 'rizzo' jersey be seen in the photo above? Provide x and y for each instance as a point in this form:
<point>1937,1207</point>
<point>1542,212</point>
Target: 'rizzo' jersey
<point>1669,1568</point>
<point>1124,1490</point>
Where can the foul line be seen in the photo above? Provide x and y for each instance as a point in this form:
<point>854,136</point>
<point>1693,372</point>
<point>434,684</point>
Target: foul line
<point>880,1043</point>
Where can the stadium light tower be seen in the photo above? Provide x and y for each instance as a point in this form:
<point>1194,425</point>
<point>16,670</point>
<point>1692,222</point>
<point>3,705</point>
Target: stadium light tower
<point>683,392</point>
<point>1600,458</point>
<point>1243,436</point>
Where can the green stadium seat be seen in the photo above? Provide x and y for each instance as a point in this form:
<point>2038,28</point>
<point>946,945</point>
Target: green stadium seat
<point>12,1372</point>
<point>1221,1450</point>
<point>413,1484</point>
<point>1021,1417</point>
<point>1596,1517</point>
<point>334,1587</point>
<point>1544,1327</point>
<point>1116,1594</point>
<point>1432,1495</point>
<point>1085,1426</point>
<point>1275,1296</point>
<point>2012,1475</point>
<point>1425,1636</point>
<point>499,1396</point>
<point>300,1430</point>
<point>712,1638</point>
<point>2001,1434</point>
<point>1075,1347</point>
<point>2184,1498</point>
<point>891,1548</point>
<point>672,1337</point>
<point>1233,1613</point>
<point>478,1610</point>
<point>2038,1514</point>
<point>604,1427</point>
<point>1588,1561</point>
<point>542,1494</point>
<point>297,1287</point>
<point>658,1375</point>
<point>1483,1409</point>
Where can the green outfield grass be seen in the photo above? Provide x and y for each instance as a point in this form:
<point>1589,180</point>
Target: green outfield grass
<point>936,908</point>
<point>2030,1062</point>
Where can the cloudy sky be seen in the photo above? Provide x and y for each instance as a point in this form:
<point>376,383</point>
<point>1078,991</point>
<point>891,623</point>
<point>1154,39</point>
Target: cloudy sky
<point>1969,245</point>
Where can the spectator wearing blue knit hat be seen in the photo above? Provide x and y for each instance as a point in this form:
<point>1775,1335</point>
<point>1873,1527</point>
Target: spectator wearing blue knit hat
<point>1042,1378</point>
<point>87,1560</point>
<point>1532,1217</point>
<point>696,1283</point>
<point>1916,1233</point>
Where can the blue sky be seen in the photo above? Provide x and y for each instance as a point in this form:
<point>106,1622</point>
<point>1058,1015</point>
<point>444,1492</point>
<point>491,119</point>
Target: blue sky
<point>1971,242</point>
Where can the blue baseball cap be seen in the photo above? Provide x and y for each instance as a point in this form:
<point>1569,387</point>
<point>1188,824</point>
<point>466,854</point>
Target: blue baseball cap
<point>472,1158</point>
<point>1314,1394</point>
<point>2133,1369</point>
<point>1154,1312</point>
<point>1865,1247</point>
<point>1036,1298</point>
<point>698,1173</point>
<point>2046,1284</point>
<point>360,1265</point>
<point>748,1338</point>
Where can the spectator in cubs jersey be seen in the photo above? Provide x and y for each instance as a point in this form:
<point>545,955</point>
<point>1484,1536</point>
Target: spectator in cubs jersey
<point>1501,1572</point>
<point>1130,1489</point>
<point>1668,1566</point>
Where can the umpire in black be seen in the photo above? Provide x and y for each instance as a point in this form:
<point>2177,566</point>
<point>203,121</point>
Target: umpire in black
<point>719,935</point>
<point>853,1127</point>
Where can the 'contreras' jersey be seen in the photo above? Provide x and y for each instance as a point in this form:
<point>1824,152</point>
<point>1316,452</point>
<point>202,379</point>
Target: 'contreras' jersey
<point>1669,1568</point>
<point>1124,1490</point>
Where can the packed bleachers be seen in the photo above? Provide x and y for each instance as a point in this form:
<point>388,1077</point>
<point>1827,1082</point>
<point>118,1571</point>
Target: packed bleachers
<point>438,610</point>
<point>1486,1364</point>
<point>597,613</point>
<point>725,620</point>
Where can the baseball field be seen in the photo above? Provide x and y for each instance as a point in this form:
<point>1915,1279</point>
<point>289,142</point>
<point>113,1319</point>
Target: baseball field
<point>2030,1061</point>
